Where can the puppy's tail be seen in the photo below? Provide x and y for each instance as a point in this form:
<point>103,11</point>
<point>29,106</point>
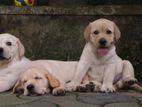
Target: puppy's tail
<point>136,87</point>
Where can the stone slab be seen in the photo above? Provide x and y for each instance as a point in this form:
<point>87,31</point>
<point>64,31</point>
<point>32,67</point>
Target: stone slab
<point>67,101</point>
<point>72,99</point>
<point>123,105</point>
<point>9,99</point>
<point>35,104</point>
<point>104,98</point>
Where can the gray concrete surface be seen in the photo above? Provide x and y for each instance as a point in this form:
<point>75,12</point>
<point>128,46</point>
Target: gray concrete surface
<point>74,99</point>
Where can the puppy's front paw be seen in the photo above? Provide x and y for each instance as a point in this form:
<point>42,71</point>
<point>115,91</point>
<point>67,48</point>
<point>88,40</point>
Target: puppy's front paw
<point>81,89</point>
<point>59,91</point>
<point>71,86</point>
<point>90,87</point>
<point>130,81</point>
<point>107,89</point>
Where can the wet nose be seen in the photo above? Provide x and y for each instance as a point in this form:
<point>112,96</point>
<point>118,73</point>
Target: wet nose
<point>102,42</point>
<point>30,87</point>
<point>1,51</point>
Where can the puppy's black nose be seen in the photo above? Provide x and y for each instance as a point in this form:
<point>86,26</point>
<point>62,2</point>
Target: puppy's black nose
<point>102,42</point>
<point>1,51</point>
<point>30,87</point>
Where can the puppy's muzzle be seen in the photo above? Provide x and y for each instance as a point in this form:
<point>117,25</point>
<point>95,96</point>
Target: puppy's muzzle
<point>2,57</point>
<point>102,42</point>
<point>30,87</point>
<point>31,90</point>
<point>1,53</point>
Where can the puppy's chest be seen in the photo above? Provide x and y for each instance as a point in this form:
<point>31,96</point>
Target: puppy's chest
<point>4,70</point>
<point>96,72</point>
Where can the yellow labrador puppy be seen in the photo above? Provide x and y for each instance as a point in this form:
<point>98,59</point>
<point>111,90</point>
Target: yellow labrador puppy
<point>35,80</point>
<point>43,75</point>
<point>12,61</point>
<point>105,69</point>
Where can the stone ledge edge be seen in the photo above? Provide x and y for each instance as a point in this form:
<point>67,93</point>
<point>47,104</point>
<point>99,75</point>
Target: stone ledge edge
<point>86,11</point>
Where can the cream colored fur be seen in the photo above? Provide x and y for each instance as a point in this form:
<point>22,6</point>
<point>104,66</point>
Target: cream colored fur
<point>107,72</point>
<point>12,62</point>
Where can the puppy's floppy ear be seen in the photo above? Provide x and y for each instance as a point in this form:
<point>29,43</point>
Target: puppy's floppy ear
<point>53,82</point>
<point>21,49</point>
<point>117,33</point>
<point>87,32</point>
<point>18,87</point>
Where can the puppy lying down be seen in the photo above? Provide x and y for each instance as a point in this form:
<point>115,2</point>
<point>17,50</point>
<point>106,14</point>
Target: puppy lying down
<point>42,75</point>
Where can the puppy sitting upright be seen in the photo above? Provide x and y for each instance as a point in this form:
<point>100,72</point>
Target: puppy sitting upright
<point>105,69</point>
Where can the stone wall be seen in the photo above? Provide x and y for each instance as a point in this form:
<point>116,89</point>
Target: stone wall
<point>57,32</point>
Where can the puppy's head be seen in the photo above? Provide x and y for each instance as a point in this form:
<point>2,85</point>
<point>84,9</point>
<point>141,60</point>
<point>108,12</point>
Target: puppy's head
<point>102,33</point>
<point>10,48</point>
<point>35,81</point>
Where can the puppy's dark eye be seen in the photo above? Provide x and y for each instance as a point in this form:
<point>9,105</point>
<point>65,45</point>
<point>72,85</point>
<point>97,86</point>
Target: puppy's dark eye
<point>96,32</point>
<point>8,43</point>
<point>109,32</point>
<point>38,78</point>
